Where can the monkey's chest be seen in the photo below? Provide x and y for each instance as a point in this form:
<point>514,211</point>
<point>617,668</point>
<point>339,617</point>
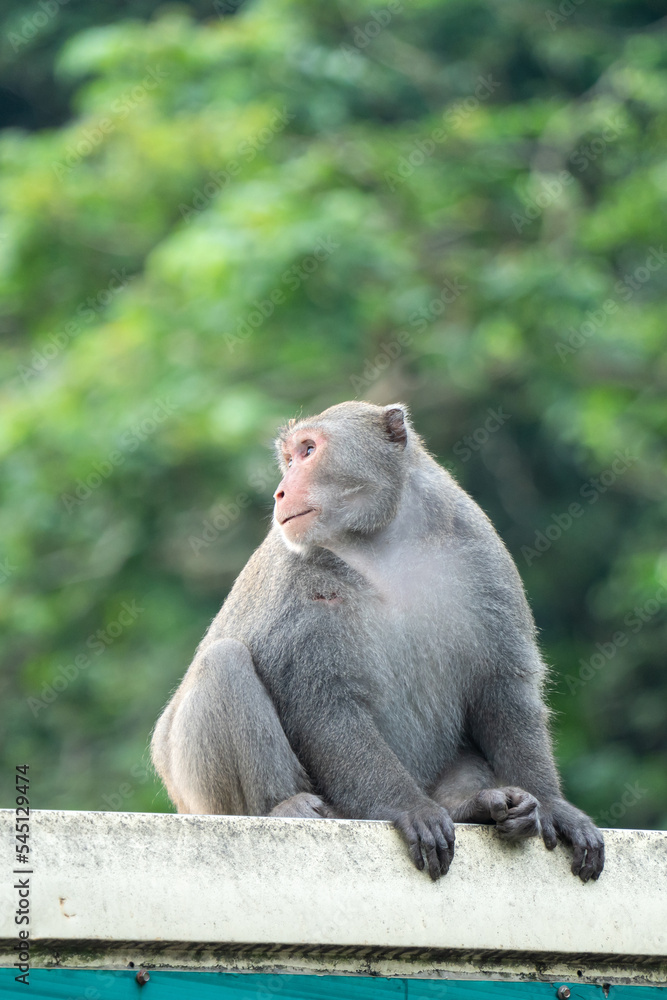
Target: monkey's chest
<point>416,693</point>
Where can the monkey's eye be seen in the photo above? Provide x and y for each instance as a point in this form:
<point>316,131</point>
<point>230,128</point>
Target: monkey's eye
<point>289,462</point>
<point>309,450</point>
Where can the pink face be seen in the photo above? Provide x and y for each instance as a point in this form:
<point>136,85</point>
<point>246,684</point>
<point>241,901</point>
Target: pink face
<point>294,511</point>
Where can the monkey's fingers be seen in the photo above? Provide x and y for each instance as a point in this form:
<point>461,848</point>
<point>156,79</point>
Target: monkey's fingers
<point>429,834</point>
<point>407,830</point>
<point>429,844</point>
<point>548,831</point>
<point>522,803</point>
<point>594,863</point>
<point>444,842</point>
<point>577,830</point>
<point>497,803</point>
<point>514,811</point>
<point>415,848</point>
<point>519,827</point>
<point>578,858</point>
<point>588,860</point>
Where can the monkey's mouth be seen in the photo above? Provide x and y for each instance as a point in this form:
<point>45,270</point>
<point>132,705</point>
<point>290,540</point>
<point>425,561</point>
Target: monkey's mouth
<point>303,513</point>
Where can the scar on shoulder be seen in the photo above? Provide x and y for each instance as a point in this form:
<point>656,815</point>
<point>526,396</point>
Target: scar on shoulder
<point>332,598</point>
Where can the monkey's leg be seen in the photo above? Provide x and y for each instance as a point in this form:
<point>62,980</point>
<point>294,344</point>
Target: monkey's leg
<point>509,725</point>
<point>219,747</point>
<point>468,790</point>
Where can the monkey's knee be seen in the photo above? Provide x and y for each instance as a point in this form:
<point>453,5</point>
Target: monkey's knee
<point>227,749</point>
<point>227,661</point>
<point>161,750</point>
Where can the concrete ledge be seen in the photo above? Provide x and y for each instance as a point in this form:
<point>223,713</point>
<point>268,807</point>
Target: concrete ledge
<point>265,894</point>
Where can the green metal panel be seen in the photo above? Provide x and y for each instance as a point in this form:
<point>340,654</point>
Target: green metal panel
<point>82,984</point>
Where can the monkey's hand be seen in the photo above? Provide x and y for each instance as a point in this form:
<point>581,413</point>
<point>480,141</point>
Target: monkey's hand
<point>303,805</point>
<point>514,811</point>
<point>429,833</point>
<point>561,821</point>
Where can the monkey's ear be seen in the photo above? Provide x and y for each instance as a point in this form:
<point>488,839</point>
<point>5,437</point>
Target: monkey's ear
<point>394,421</point>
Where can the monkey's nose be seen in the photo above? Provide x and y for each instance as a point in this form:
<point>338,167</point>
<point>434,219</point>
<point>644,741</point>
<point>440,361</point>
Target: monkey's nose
<point>279,494</point>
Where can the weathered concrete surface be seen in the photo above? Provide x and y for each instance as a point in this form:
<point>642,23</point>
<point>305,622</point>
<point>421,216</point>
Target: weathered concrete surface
<point>245,892</point>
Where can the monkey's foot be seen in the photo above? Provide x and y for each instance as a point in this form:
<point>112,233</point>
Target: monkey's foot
<point>562,821</point>
<point>514,811</point>
<point>429,832</point>
<point>303,806</point>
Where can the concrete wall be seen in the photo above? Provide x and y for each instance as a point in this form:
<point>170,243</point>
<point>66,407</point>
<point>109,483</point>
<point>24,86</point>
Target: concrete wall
<point>267,894</point>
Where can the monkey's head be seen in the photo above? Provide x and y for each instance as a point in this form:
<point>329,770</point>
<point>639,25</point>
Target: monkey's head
<point>343,473</point>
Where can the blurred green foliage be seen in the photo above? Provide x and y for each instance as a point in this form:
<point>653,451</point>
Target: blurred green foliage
<point>232,219</point>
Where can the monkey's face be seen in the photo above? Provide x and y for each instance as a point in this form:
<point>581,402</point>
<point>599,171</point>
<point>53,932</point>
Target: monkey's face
<point>343,473</point>
<point>296,510</point>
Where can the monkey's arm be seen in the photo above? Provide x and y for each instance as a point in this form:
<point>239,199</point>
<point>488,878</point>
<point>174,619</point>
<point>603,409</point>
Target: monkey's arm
<point>355,770</point>
<point>508,722</point>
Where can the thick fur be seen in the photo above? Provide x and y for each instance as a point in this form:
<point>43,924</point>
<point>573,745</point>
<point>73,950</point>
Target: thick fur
<point>384,668</point>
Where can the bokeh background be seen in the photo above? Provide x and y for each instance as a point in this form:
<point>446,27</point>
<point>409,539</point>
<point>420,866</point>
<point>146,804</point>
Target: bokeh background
<point>215,217</point>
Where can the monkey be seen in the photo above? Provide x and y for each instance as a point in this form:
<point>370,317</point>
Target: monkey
<point>375,659</point>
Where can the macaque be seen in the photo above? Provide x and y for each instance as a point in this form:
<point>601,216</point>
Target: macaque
<point>375,659</point>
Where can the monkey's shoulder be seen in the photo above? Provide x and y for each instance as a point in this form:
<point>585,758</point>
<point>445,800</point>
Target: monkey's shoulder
<point>277,585</point>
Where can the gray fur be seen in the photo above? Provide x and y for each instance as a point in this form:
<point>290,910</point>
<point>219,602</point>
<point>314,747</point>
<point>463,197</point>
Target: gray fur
<point>386,665</point>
